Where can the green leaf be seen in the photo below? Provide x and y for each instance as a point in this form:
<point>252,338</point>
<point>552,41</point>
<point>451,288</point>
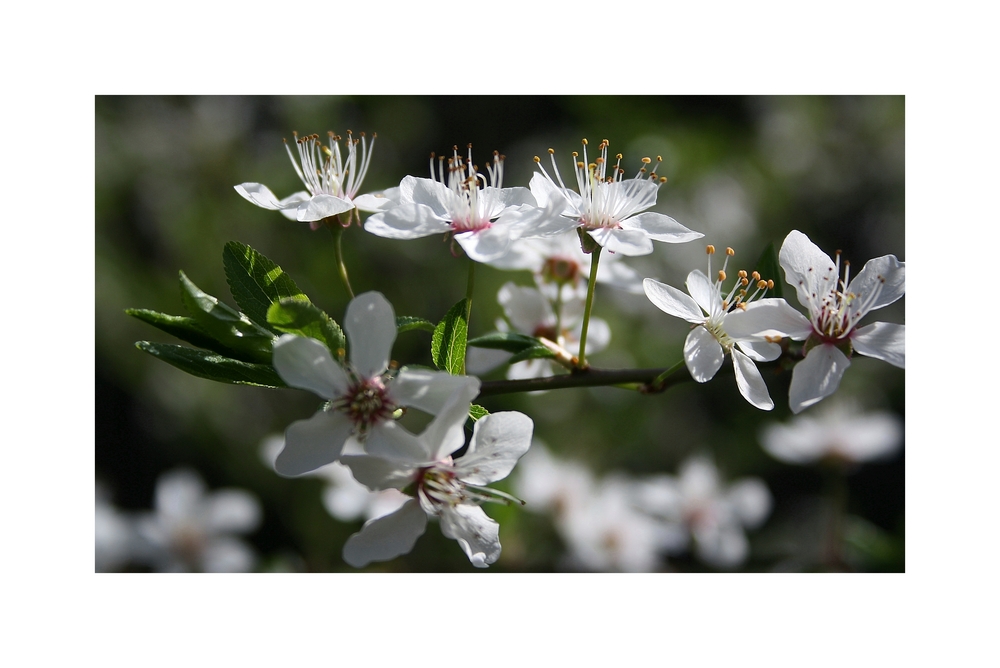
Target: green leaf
<point>294,316</point>
<point>405,323</point>
<point>512,342</point>
<point>186,329</point>
<point>212,366</point>
<point>476,412</point>
<point>449,340</point>
<point>535,352</point>
<point>255,281</point>
<point>768,268</point>
<point>226,325</point>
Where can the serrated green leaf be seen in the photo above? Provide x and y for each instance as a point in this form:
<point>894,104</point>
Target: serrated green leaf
<point>405,323</point>
<point>535,352</point>
<point>255,281</point>
<point>449,340</point>
<point>294,316</point>
<point>213,366</point>
<point>184,328</point>
<point>512,342</point>
<point>476,412</point>
<point>225,324</point>
<point>768,268</point>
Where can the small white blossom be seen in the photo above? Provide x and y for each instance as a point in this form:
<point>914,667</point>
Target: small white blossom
<point>608,207</point>
<point>715,515</point>
<point>840,432</point>
<point>482,217</point>
<point>331,182</point>
<point>714,337</point>
<point>194,531</point>
<point>362,395</point>
<point>449,489</point>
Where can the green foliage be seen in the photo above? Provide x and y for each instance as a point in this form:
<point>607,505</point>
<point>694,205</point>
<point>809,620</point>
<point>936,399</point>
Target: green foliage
<point>536,351</point>
<point>255,281</point>
<point>297,316</point>
<point>212,366</point>
<point>512,342</point>
<point>449,340</point>
<point>768,268</point>
<point>225,324</point>
<point>476,413</point>
<point>184,328</point>
<point>406,323</point>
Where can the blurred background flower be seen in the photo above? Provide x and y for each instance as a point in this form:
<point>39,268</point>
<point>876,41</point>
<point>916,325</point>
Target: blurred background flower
<point>743,170</point>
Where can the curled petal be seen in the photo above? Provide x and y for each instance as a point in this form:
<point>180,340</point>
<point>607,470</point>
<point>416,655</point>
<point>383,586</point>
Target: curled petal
<point>386,537</point>
<point>312,443</point>
<point>661,228</point>
<point>672,301</point>
<point>476,533</point>
<point>816,377</point>
<point>319,207</point>
<point>750,382</point>
<point>703,354</point>
<point>307,364</point>
<point>370,324</point>
<point>259,194</point>
<point>883,341</point>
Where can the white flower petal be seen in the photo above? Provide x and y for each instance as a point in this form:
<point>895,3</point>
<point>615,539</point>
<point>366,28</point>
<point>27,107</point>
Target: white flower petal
<point>883,341</point>
<point>373,202</point>
<point>807,268</point>
<point>378,473</point>
<point>598,335</point>
<point>179,494</point>
<point>659,227</point>
<point>307,364</point>
<point>406,221</point>
<point>486,245</point>
<point>388,439</point>
<point>870,437</point>
<point>259,194</point>
<point>312,443</point>
<point>526,308</point>
<point>232,510</point>
<point>386,537</point>
<point>227,555</point>
<point>886,268</point>
<point>548,195</point>
<point>704,292</point>
<point>429,390</point>
<point>437,196</point>
<point>498,441</point>
<point>672,301</point>
<point>527,369</point>
<point>319,207</point>
<point>768,317</point>
<point>750,382</point>
<point>751,501</point>
<point>477,534</point>
<point>446,432</point>
<point>703,354</point>
<point>619,275</point>
<point>626,242</point>
<point>760,351</point>
<point>626,197</point>
<point>370,325</point>
<point>816,377</point>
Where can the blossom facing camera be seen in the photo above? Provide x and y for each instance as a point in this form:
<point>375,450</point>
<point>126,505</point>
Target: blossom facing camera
<point>715,337</point>
<point>609,207</point>
<point>363,394</point>
<point>836,307</point>
<point>332,181</point>
<point>449,488</point>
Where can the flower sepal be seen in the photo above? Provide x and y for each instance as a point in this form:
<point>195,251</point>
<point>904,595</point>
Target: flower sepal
<point>587,243</point>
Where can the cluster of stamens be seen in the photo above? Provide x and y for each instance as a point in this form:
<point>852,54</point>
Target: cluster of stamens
<point>737,298</point>
<point>600,203</point>
<point>366,403</point>
<point>438,486</point>
<point>464,179</point>
<point>836,312</point>
<point>561,271</point>
<point>323,169</point>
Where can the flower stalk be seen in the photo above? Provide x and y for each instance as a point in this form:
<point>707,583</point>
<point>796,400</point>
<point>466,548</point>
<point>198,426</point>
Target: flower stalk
<point>590,304</point>
<point>337,228</point>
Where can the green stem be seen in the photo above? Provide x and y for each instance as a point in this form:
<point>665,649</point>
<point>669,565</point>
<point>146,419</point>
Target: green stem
<point>590,305</point>
<point>338,232</point>
<point>469,288</point>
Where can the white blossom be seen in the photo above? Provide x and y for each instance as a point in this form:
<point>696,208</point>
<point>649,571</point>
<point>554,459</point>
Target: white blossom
<point>363,394</point>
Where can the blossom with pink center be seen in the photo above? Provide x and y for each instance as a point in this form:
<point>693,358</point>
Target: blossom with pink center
<point>362,394</point>
<point>331,182</point>
<point>478,211</point>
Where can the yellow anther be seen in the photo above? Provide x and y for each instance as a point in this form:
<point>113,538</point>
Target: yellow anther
<point>730,252</point>
<point>722,275</point>
<point>584,141</point>
<point>646,161</point>
<point>659,158</point>
<point>580,164</point>
<point>663,179</point>
<point>600,161</point>
<point>537,159</point>
<point>755,275</point>
<point>725,305</point>
<point>772,339</point>
<point>742,273</point>
<point>744,282</point>
<point>710,249</point>
<point>761,284</point>
<point>552,151</point>
<point>742,307</point>
<point>575,154</point>
<point>770,284</point>
<point>619,156</point>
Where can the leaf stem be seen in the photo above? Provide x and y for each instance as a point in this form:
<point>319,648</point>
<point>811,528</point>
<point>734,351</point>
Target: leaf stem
<point>590,304</point>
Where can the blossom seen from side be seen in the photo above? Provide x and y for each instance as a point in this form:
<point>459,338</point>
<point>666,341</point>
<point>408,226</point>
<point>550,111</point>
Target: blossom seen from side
<point>449,488</point>
<point>712,339</point>
<point>362,394</point>
<point>701,507</point>
<point>480,214</point>
<point>192,530</point>
<point>608,207</point>
<point>332,181</point>
<point>836,307</point>
<point>839,433</point>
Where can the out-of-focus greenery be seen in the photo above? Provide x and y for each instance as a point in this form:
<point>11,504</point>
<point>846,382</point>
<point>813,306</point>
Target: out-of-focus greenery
<point>744,171</point>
